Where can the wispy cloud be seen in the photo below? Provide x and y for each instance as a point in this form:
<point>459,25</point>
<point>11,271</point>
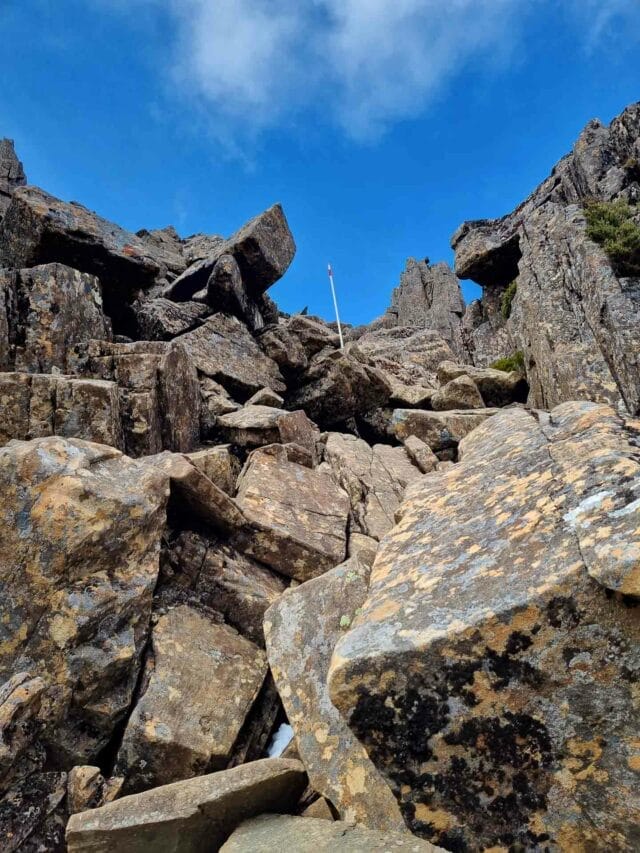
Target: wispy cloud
<point>362,64</point>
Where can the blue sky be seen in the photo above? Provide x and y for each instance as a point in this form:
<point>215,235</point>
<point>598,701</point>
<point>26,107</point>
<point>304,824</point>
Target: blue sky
<point>379,124</point>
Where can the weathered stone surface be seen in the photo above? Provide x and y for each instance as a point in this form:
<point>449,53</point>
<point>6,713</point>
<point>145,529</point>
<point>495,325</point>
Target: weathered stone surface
<point>219,464</point>
<point>214,401</point>
<point>223,349</point>
<point>338,386</point>
<point>420,454</point>
<point>227,292</point>
<point>309,835</point>
<point>490,674</point>
<point>497,387</point>
<point>201,680</point>
<point>301,630</point>
<point>439,430</point>
<point>429,297</point>
<point>79,539</point>
<point>32,815</point>
<point>408,356</point>
<point>195,815</point>
<point>313,333</point>
<point>161,319</point>
<point>220,577</point>
<point>47,309</point>
<point>458,393</point>
<point>158,391</point>
<point>298,516</point>
<point>40,229</point>
<point>255,426</point>
<point>363,547</point>
<point>11,174</point>
<point>285,348</point>
<point>266,397</point>
<point>374,478</point>
<point>575,321</point>
<point>88,789</point>
<point>40,405</point>
<point>191,488</point>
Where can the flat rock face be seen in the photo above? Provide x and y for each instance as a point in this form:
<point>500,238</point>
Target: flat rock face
<point>11,173</point>
<point>458,393</point>
<point>44,311</point>
<point>40,405</point>
<point>301,630</point>
<point>310,835</point>
<point>79,539</point>
<point>490,673</point>
<point>223,349</point>
<point>497,387</point>
<point>441,431</point>
<point>408,356</point>
<point>374,478</point>
<point>196,815</point>
<point>299,516</point>
<point>219,464</point>
<point>202,680</point>
<point>161,319</point>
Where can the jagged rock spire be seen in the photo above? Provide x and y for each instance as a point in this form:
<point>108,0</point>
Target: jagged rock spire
<point>11,173</point>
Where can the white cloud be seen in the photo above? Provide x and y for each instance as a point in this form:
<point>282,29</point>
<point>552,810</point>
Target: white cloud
<point>363,64</point>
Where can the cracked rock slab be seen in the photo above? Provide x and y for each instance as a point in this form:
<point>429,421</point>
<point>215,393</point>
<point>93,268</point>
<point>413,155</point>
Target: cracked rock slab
<point>491,673</point>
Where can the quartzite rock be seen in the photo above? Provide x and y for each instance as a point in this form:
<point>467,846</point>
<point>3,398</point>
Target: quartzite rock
<point>266,397</point>
<point>497,387</point>
<point>219,464</point>
<point>420,454</point>
<point>310,835</point>
<point>255,426</point>
<point>88,789</point>
<point>374,478</point>
<point>201,682</point>
<point>161,319</point>
<point>441,431</point>
<point>490,674</point>
<point>313,333</point>
<point>79,539</point>
<point>338,386</point>
<point>45,311</point>
<point>301,630</point>
<point>223,579</point>
<point>40,405</point>
<point>32,815</point>
<point>283,347</point>
<point>298,516</point>
<point>459,393</point>
<point>195,815</point>
<point>12,174</point>
<point>223,349</point>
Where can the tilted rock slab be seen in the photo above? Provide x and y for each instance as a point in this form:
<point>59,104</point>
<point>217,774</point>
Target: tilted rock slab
<point>301,630</point>
<point>310,835</point>
<point>79,537</point>
<point>298,516</point>
<point>255,426</point>
<point>374,478</point>
<point>193,816</point>
<point>497,387</point>
<point>440,430</point>
<point>201,683</point>
<point>490,675</point>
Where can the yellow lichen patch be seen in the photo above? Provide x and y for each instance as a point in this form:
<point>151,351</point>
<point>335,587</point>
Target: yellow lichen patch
<point>438,818</point>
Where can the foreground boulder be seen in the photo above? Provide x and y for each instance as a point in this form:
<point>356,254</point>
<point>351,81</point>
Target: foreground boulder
<point>184,724</point>
<point>79,539</point>
<point>301,630</point>
<point>310,835</point>
<point>298,516</point>
<point>196,815</point>
<point>490,674</point>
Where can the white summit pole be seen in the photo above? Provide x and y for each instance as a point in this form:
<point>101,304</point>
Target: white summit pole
<point>335,305</point>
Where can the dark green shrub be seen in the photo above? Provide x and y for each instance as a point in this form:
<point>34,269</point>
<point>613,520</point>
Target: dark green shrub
<point>612,226</point>
<point>515,361</point>
<point>507,299</point>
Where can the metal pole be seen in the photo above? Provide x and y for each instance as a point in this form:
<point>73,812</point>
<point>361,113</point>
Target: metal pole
<point>335,305</point>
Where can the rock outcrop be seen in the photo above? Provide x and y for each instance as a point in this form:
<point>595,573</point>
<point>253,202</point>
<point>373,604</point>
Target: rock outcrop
<point>490,673</point>
<point>12,174</point>
<point>574,317</point>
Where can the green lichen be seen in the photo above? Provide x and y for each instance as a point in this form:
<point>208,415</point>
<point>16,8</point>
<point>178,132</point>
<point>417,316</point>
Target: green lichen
<point>507,299</point>
<point>509,363</point>
<point>345,621</point>
<point>612,225</point>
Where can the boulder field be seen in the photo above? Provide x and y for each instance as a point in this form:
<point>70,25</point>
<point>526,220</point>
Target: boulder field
<point>261,592</point>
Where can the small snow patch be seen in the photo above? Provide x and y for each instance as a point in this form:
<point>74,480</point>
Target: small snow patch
<point>280,741</point>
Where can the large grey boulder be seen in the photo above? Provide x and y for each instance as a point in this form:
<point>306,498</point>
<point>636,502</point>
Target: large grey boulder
<point>490,672</point>
<point>193,816</point>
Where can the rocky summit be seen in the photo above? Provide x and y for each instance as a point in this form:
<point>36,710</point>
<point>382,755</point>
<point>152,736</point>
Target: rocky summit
<point>264,592</point>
